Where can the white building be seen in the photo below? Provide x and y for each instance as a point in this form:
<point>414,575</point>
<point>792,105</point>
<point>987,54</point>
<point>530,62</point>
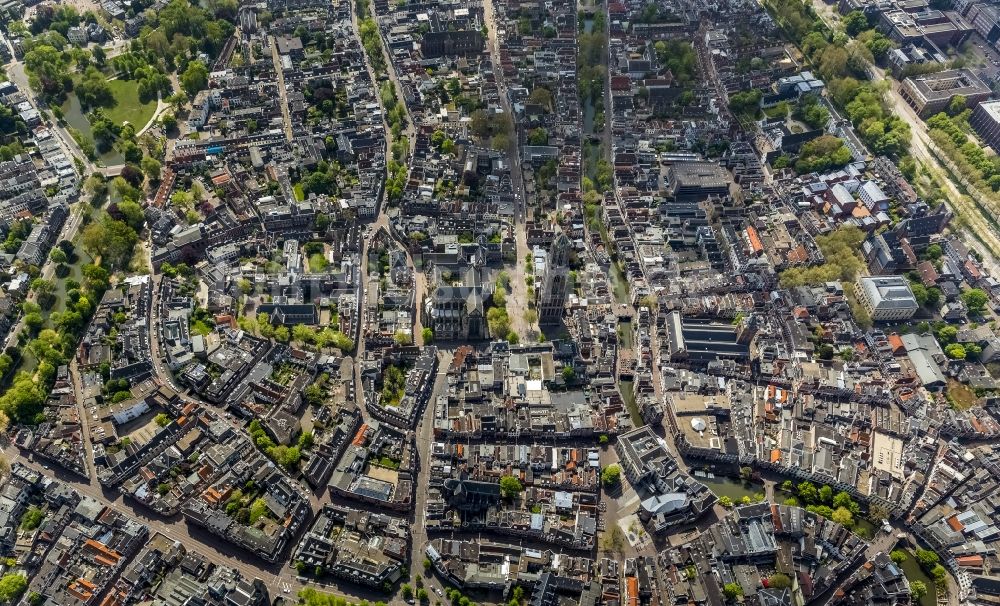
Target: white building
<point>886,298</point>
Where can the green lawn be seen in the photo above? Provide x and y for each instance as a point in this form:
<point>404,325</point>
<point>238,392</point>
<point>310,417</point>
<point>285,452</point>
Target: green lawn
<point>778,111</point>
<point>128,107</point>
<point>318,263</point>
<point>300,195</point>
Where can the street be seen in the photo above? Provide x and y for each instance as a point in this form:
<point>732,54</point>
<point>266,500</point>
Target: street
<point>517,299</point>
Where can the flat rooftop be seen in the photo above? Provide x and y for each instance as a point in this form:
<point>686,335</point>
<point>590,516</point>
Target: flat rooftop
<point>948,83</point>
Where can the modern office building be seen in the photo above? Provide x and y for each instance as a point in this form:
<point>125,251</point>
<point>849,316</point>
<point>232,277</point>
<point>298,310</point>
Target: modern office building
<point>986,122</point>
<point>929,94</point>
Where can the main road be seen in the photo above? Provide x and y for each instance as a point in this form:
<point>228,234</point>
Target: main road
<point>424,438</point>
<point>279,74</point>
<point>981,232</point>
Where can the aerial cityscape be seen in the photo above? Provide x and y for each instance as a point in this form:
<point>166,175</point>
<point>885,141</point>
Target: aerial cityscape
<point>500,302</point>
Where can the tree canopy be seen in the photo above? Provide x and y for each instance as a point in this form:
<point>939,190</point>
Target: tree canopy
<point>510,487</point>
<point>110,239</point>
<point>611,475</point>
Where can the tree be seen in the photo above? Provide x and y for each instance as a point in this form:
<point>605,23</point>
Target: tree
<point>169,122</point>
<point>940,574</point>
<point>258,510</point>
<point>93,89</point>
<point>726,501</point>
<point>407,590</point>
<point>855,22</point>
<point>151,167</point>
<point>732,591</point>
<point>303,334</point>
<point>933,296</point>
<point>843,516</point>
<point>428,335</point>
<point>58,256</point>
<point>826,494</point>
<point>898,556</point>
<point>787,486</point>
<point>195,77</point>
<point>541,96</point>
<point>530,316</point>
<point>611,475</point>
<point>42,287</point>
<point>110,239</point>
<point>510,487</point>
<point>498,321</point>
<point>808,493</point>
<point>12,585</point>
<point>305,440</point>
<point>918,589</point>
<point>538,136</point>
<point>779,580</point>
<point>927,558</point>
<point>946,334</point>
<point>132,213</point>
<point>746,102</point>
<point>32,518</point>
<point>313,394</point>
<point>957,105</point>
<point>842,499</point>
<point>955,351</point>
<point>822,153</point>
<point>975,299</point>
<point>34,320</point>
<point>162,419</point>
<point>48,70</point>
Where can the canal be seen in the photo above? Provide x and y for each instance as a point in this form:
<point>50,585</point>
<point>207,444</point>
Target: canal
<point>724,486</point>
<point>626,338</point>
<point>913,571</point>
<point>619,285</point>
<point>74,117</point>
<point>625,386</point>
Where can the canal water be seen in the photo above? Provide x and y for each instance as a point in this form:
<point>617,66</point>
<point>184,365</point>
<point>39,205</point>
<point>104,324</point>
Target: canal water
<point>735,489</point>
<point>619,285</point>
<point>625,386</point>
<point>913,571</point>
<point>74,116</point>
